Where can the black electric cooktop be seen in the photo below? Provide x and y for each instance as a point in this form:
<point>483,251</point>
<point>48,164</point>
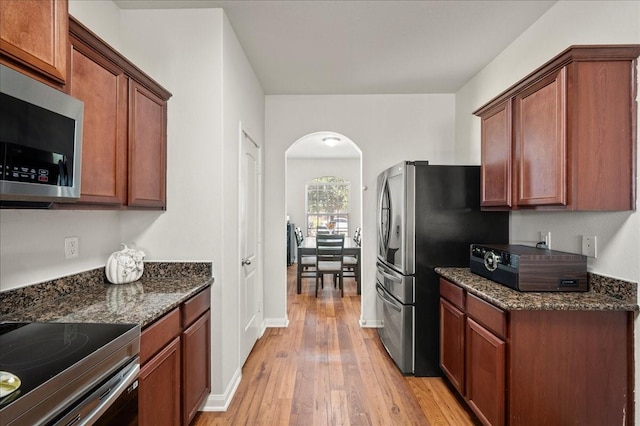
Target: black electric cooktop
<point>63,359</point>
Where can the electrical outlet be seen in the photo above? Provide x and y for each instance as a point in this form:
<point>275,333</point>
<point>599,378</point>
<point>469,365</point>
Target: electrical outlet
<point>71,247</point>
<point>590,246</point>
<point>545,236</point>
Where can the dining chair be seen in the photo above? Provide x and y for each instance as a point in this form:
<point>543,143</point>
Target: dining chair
<point>307,264</point>
<point>350,262</point>
<point>329,259</point>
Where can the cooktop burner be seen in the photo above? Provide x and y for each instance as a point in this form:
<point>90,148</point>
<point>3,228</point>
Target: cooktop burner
<point>52,357</point>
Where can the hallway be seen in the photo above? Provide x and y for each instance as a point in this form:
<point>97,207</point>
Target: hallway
<point>324,369</point>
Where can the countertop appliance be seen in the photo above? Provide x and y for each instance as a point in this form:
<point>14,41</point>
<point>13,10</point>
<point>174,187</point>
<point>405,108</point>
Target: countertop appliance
<point>428,216</point>
<point>527,268</point>
<point>40,141</point>
<point>70,373</point>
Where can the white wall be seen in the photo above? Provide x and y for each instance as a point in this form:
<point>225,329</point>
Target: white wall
<point>300,171</point>
<point>32,241</point>
<point>566,23</point>
<point>197,57</point>
<point>387,128</point>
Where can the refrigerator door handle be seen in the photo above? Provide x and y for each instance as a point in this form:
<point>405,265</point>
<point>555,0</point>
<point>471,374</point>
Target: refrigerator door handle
<point>389,276</point>
<point>388,300</point>
<point>383,245</point>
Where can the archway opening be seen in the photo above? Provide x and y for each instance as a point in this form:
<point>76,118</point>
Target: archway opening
<point>326,165</point>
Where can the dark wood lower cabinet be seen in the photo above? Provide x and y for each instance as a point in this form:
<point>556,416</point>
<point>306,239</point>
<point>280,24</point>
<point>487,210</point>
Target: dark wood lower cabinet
<point>452,325</point>
<point>175,357</point>
<point>486,369</point>
<point>196,371</point>
<point>537,367</point>
<point>159,388</point>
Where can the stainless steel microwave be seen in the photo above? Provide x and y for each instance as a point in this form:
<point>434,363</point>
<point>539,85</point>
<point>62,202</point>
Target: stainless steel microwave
<point>40,141</point>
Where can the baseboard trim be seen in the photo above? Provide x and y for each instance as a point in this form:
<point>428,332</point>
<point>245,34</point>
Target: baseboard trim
<point>364,323</point>
<point>222,402</point>
<point>276,322</point>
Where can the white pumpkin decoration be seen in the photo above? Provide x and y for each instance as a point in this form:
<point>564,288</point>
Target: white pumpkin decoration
<point>125,266</point>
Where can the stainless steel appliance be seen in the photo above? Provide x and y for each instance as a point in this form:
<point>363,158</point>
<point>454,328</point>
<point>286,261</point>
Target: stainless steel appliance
<point>70,373</point>
<point>40,141</point>
<point>527,268</point>
<point>428,216</point>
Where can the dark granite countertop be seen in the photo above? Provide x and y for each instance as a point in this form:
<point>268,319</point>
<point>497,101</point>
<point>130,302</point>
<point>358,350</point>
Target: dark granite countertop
<point>87,297</point>
<point>605,294</point>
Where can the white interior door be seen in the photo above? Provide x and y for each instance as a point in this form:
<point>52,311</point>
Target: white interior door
<point>250,300</point>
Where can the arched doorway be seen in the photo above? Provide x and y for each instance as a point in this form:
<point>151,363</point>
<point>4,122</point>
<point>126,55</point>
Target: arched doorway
<point>308,160</point>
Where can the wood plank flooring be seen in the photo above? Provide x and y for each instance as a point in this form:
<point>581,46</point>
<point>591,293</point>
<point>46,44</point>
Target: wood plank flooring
<point>324,369</point>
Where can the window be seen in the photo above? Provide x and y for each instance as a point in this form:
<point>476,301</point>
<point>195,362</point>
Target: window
<point>328,205</point>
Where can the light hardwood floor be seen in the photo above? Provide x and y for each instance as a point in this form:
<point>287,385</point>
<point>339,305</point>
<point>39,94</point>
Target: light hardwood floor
<point>324,369</point>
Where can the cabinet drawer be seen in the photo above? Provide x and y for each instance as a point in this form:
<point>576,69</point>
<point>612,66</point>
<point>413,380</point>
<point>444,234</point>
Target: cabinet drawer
<point>452,293</point>
<point>158,334</point>
<point>196,306</point>
<point>488,315</point>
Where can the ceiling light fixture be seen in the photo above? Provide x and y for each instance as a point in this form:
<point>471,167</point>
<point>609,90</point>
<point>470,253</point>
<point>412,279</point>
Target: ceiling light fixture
<point>331,140</point>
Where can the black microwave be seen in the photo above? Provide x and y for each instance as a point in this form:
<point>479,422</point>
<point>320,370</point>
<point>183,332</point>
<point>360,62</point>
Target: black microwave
<point>40,141</point>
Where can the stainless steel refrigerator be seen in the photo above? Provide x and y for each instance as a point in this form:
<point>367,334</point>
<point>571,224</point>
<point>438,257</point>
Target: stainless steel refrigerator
<point>428,216</point>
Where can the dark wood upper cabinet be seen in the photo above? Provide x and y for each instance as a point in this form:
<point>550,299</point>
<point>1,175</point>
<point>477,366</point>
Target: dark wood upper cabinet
<point>541,143</point>
<point>147,148</point>
<point>34,37</point>
<point>102,86</point>
<point>125,127</point>
<point>564,137</point>
<point>496,156</point>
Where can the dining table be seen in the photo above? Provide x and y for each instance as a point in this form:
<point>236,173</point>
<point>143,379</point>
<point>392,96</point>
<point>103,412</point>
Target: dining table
<point>308,248</point>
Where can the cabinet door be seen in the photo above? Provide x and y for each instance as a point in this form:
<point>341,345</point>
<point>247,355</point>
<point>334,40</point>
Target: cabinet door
<point>541,142</point>
<point>159,391</point>
<point>452,344</point>
<point>496,151</point>
<point>147,148</point>
<point>34,33</point>
<point>196,370</point>
<point>485,375</point>
<point>103,88</point>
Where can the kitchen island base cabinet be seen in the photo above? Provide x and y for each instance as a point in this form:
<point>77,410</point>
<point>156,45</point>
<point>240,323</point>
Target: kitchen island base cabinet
<point>538,367</point>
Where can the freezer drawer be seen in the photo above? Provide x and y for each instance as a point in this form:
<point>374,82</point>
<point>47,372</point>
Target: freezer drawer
<point>401,287</point>
<point>397,329</point>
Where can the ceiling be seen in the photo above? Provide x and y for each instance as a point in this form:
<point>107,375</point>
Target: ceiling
<point>368,47</point>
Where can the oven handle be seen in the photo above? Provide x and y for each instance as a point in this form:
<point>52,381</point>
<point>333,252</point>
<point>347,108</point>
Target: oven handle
<point>387,300</point>
<point>113,394</point>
